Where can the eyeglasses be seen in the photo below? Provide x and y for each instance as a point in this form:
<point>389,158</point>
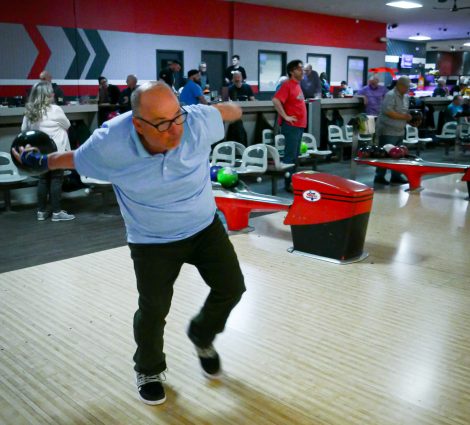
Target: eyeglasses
<point>165,125</point>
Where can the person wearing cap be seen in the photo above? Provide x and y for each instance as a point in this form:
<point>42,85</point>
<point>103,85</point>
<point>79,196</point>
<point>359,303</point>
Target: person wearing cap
<point>192,91</point>
<point>391,125</point>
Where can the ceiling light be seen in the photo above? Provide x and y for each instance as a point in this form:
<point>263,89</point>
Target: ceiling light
<point>418,37</point>
<point>466,44</point>
<point>405,4</point>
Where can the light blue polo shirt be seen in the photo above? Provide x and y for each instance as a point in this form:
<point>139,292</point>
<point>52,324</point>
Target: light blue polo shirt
<point>164,197</point>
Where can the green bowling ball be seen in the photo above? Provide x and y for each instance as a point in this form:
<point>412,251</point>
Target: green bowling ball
<point>303,147</point>
<point>227,177</point>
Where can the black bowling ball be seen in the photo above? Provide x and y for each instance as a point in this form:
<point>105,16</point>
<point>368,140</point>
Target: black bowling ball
<point>36,139</point>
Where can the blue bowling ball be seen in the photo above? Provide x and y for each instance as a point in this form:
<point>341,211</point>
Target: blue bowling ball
<point>214,170</point>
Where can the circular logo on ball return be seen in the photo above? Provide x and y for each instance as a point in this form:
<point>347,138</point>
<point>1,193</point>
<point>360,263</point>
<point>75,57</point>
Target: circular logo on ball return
<point>311,196</point>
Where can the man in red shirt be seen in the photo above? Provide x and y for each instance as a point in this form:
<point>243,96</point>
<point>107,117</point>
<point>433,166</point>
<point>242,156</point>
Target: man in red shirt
<point>289,102</point>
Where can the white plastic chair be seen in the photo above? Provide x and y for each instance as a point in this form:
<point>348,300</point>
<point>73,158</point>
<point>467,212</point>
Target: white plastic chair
<point>313,153</point>
<point>280,144</point>
<point>254,160</point>
<point>336,139</point>
<point>348,135</point>
<point>448,134</point>
<point>267,137</point>
<point>276,168</point>
<point>9,177</point>
<point>311,142</point>
<point>412,138</point>
<point>224,154</point>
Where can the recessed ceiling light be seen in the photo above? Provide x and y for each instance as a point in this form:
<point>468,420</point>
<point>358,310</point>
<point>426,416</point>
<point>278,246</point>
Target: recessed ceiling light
<point>418,37</point>
<point>405,4</point>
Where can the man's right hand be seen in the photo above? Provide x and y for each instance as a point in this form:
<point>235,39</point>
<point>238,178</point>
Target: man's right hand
<point>31,157</point>
<point>290,119</point>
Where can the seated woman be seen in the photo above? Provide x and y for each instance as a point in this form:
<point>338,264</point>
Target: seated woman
<point>41,114</point>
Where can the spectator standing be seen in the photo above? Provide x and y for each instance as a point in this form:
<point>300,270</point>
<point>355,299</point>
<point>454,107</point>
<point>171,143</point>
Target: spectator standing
<point>391,124</point>
<point>59,98</point>
<point>289,103</point>
<point>125,98</point>
<point>311,84</point>
<point>204,76</point>
<point>234,67</point>
<point>168,75</point>
<point>372,95</point>
<point>41,114</point>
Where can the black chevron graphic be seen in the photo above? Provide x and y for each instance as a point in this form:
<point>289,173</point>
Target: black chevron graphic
<point>81,54</point>
<point>102,54</point>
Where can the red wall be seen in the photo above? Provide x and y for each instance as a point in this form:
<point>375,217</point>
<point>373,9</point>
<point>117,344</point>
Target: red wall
<point>290,26</point>
<point>210,18</point>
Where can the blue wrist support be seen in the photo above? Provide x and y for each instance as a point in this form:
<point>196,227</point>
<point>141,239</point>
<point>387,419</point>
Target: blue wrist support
<point>35,160</point>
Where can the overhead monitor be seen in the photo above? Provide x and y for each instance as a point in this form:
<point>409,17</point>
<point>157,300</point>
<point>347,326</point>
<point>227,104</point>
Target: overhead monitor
<point>406,61</point>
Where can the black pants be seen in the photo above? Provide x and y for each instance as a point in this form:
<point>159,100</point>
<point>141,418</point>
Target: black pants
<point>157,266</point>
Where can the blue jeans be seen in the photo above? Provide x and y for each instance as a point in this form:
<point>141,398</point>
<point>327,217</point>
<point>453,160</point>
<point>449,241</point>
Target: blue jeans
<point>389,140</point>
<point>293,137</point>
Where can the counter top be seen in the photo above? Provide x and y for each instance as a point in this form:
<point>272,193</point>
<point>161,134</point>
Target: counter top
<point>68,109</point>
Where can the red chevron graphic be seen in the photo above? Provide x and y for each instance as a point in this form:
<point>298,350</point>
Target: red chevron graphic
<point>44,52</point>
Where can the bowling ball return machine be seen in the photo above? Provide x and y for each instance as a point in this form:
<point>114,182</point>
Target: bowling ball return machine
<point>328,216</point>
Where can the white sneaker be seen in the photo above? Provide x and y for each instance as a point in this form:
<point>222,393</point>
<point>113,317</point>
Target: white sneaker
<point>42,215</point>
<point>62,216</point>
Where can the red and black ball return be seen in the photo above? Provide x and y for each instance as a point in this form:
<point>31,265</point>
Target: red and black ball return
<point>416,168</point>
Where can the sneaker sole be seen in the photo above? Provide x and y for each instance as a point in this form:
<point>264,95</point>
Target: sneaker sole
<point>217,375</point>
<point>62,219</point>
<point>152,402</point>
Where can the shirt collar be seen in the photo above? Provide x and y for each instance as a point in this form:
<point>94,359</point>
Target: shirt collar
<point>141,151</point>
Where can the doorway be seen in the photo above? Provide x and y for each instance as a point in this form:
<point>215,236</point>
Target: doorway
<point>165,57</point>
<point>216,63</point>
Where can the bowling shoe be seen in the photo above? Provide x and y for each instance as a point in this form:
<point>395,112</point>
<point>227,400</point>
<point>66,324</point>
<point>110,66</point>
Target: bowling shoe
<point>150,388</point>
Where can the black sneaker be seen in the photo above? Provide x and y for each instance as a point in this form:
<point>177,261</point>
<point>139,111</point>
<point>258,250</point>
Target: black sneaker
<point>150,388</point>
<point>381,180</point>
<point>210,361</point>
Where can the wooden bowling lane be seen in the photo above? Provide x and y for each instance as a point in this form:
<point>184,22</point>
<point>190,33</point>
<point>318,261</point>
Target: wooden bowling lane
<point>384,341</point>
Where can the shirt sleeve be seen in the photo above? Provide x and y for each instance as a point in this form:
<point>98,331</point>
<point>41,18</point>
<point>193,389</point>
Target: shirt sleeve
<point>283,93</point>
<point>88,158</point>
<point>205,123</point>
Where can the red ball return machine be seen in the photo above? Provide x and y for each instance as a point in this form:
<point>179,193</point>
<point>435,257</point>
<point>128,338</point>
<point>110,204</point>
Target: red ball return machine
<point>416,168</point>
<point>328,216</point>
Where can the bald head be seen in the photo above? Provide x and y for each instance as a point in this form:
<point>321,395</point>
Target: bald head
<point>308,68</point>
<point>45,76</point>
<point>373,81</point>
<point>143,93</point>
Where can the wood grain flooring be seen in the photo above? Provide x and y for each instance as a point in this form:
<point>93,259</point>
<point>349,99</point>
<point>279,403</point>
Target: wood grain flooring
<point>383,341</point>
